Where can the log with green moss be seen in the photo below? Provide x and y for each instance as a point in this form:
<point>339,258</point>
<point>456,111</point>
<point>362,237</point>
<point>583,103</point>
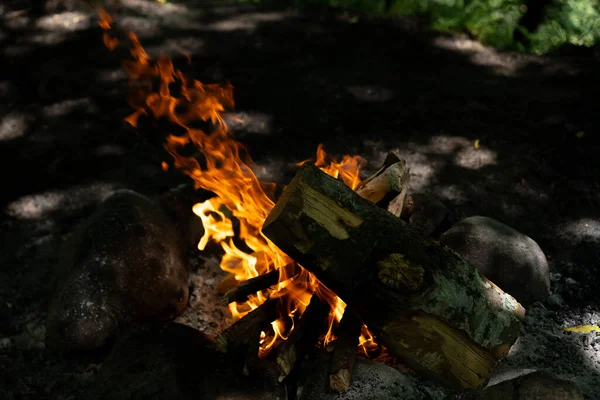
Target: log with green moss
<point>426,304</point>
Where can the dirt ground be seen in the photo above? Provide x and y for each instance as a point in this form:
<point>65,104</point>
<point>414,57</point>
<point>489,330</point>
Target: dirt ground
<point>357,85</point>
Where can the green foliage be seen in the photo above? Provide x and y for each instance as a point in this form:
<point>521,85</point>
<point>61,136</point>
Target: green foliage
<point>568,21</point>
<point>491,21</point>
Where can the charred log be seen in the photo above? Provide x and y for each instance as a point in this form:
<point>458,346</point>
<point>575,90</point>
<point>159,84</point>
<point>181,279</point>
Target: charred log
<point>305,334</point>
<point>344,353</point>
<point>246,331</point>
<point>261,282</point>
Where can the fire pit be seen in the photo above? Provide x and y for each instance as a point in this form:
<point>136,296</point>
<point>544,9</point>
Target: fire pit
<point>313,275</point>
<point>426,305</point>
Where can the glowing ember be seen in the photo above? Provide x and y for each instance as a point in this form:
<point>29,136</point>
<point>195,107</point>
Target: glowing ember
<point>225,169</point>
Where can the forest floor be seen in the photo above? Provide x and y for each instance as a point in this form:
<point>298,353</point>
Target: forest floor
<point>358,85</point>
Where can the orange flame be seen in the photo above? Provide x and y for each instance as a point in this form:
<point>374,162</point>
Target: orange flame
<point>347,170</point>
<point>105,23</point>
<point>225,169</point>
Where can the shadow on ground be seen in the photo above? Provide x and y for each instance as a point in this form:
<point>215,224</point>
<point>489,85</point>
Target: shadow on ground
<point>363,87</point>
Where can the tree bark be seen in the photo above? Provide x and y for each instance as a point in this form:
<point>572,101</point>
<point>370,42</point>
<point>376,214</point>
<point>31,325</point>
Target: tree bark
<point>428,305</point>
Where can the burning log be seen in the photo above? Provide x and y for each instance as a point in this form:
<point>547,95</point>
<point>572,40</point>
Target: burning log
<point>305,334</point>
<point>388,186</point>
<point>344,353</point>
<point>246,331</point>
<point>261,282</point>
<point>427,305</point>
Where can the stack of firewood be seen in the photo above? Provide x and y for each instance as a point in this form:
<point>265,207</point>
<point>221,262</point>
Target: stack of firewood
<point>428,306</point>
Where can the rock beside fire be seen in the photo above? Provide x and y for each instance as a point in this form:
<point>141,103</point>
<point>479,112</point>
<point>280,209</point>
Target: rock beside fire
<point>174,361</point>
<point>126,262</point>
<point>177,203</point>
<point>425,213</point>
<point>370,381</point>
<point>533,386</point>
<point>510,259</point>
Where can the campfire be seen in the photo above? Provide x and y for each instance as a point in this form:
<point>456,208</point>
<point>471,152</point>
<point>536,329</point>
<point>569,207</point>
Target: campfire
<point>329,233</point>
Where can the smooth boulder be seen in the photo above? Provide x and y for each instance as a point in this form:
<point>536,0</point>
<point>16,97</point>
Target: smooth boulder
<point>125,263</point>
<point>537,385</point>
<point>510,259</point>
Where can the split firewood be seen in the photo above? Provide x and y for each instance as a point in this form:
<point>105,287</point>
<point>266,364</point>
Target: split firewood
<point>388,186</point>
<point>344,353</point>
<point>246,331</point>
<point>227,284</point>
<point>427,305</point>
<point>230,282</point>
<point>261,282</point>
<point>305,334</point>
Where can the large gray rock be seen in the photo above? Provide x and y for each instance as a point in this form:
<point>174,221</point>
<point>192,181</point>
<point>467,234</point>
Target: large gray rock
<point>174,361</point>
<point>126,263</point>
<point>537,385</point>
<point>371,381</point>
<point>510,259</point>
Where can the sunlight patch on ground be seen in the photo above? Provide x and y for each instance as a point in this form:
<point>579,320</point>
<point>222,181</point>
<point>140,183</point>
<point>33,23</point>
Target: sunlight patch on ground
<point>14,125</point>
<point>142,26</point>
<point>250,122</point>
<point>153,8</point>
<point>472,158</point>
<point>68,106</point>
<point>66,22</point>
<point>42,205</point>
<point>426,160</point>
<point>184,46</point>
<point>16,20</point>
<point>249,21</point>
<point>506,64</point>
<point>466,153</point>
<point>47,38</point>
<point>272,170</point>
<point>583,229</point>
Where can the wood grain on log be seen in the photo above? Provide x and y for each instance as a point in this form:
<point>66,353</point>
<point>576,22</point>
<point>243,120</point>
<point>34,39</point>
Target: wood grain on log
<point>383,268</point>
<point>388,186</point>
